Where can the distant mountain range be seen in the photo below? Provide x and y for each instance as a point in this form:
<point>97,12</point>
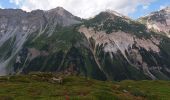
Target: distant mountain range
<point>109,46</point>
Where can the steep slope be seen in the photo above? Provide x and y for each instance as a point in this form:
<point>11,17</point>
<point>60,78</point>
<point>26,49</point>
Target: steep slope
<point>65,50</point>
<point>125,49</point>
<point>108,47</point>
<point>159,21</point>
<point>18,26</point>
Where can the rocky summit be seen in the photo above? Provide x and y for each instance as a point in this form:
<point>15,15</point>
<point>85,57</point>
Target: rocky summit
<point>109,46</point>
<point>158,21</point>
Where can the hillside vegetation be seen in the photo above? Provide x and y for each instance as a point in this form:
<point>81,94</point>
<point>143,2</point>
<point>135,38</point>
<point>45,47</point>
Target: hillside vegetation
<point>42,86</point>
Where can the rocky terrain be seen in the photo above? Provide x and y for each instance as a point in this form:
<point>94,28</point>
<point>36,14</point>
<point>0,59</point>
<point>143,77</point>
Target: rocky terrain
<point>18,26</point>
<point>159,21</point>
<point>109,46</point>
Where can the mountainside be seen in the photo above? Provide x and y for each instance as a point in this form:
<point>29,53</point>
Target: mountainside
<point>159,21</point>
<point>109,46</point>
<point>17,27</point>
<point>125,49</point>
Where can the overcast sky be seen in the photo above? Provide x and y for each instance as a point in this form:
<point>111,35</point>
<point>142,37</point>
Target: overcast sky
<point>89,8</point>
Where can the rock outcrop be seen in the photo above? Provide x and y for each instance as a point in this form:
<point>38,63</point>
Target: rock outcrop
<point>159,21</point>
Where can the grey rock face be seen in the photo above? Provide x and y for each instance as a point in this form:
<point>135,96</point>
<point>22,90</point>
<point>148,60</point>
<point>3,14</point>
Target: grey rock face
<point>119,36</point>
<point>62,17</point>
<point>159,21</point>
<point>17,26</point>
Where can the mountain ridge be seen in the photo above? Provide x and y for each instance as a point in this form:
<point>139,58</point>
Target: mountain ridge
<point>106,47</point>
<point>158,21</point>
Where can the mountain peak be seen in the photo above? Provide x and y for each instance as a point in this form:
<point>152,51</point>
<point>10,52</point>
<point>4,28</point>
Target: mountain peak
<point>167,9</point>
<point>115,13</point>
<point>59,10</point>
<point>159,21</point>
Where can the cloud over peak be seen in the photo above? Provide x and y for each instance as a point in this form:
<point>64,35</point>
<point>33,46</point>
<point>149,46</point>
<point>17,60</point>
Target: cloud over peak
<point>84,8</point>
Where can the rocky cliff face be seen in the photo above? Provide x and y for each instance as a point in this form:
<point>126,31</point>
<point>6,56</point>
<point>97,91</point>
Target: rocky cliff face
<point>159,21</point>
<point>17,26</point>
<point>108,47</point>
<point>120,43</point>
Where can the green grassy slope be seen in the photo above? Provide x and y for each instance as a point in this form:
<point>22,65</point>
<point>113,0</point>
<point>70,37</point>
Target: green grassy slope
<point>40,87</point>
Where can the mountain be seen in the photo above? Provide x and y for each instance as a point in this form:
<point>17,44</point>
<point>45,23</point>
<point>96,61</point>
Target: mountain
<point>109,46</point>
<point>125,49</point>
<point>18,26</point>
<point>159,21</point>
